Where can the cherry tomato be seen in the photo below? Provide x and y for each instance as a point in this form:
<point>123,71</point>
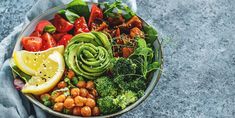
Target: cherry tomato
<point>41,24</point>
<point>80,26</point>
<point>65,39</point>
<point>58,36</point>
<point>32,43</point>
<point>35,34</point>
<point>47,41</point>
<point>126,52</point>
<point>61,24</point>
<point>96,13</point>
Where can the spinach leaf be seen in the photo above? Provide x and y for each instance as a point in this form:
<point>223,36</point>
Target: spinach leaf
<point>151,34</point>
<point>79,7</point>
<point>69,15</point>
<point>20,73</point>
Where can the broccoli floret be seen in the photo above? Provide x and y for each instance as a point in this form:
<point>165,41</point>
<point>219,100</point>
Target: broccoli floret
<point>123,66</point>
<point>106,105</point>
<point>125,99</point>
<point>105,87</point>
<point>136,84</point>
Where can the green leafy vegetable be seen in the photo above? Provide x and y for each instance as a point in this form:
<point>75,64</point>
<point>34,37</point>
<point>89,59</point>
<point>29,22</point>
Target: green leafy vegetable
<point>49,29</point>
<point>106,105</point>
<point>79,7</point>
<point>151,34</point>
<point>123,66</point>
<point>20,73</point>
<point>105,87</point>
<point>70,16</point>
<point>125,99</point>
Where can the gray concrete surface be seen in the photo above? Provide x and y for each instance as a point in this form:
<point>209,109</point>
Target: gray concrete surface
<point>199,51</point>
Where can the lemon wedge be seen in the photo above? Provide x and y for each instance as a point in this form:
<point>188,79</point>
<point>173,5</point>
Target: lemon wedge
<point>48,74</point>
<point>29,62</point>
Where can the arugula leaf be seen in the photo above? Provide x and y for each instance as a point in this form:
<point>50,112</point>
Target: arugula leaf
<point>69,15</point>
<point>49,29</point>
<point>153,66</point>
<point>79,7</point>
<point>151,34</point>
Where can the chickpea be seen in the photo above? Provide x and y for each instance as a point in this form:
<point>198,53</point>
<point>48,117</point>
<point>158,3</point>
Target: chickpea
<point>90,96</point>
<point>61,84</point>
<point>58,107</point>
<point>94,92</point>
<point>55,95</point>
<point>70,74</point>
<point>90,85</point>
<point>77,111</point>
<point>95,111</point>
<point>75,92</point>
<point>69,103</point>
<point>83,92</point>
<point>81,84</point>
<point>80,101</point>
<point>45,97</point>
<point>86,111</point>
<point>90,103</point>
<point>60,98</point>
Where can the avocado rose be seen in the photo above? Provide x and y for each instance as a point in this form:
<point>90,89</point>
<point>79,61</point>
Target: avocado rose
<point>88,54</point>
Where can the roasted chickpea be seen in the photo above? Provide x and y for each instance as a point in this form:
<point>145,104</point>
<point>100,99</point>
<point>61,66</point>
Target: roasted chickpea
<point>86,111</point>
<point>90,96</point>
<point>83,92</point>
<point>61,84</point>
<point>90,102</point>
<point>70,74</point>
<point>60,98</point>
<point>75,92</point>
<point>94,92</point>
<point>95,111</point>
<point>45,97</point>
<point>77,111</point>
<point>55,95</point>
<point>81,84</point>
<point>69,103</point>
<point>90,85</point>
<point>58,107</point>
<point>80,101</point>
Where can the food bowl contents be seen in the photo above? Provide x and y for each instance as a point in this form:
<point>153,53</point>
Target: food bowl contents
<point>87,62</point>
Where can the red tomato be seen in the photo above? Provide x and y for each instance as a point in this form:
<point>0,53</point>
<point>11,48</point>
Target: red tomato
<point>47,41</point>
<point>126,52</point>
<point>58,36</point>
<point>32,43</point>
<point>41,24</point>
<point>61,24</point>
<point>65,39</point>
<point>80,26</point>
<point>35,34</point>
<point>96,12</point>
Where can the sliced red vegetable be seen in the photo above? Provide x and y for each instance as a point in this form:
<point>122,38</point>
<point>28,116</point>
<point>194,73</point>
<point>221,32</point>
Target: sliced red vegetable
<point>41,24</point>
<point>126,52</point>
<point>32,43</point>
<point>65,39</point>
<point>80,26</point>
<point>35,34</point>
<point>47,41</point>
<point>118,38</point>
<point>58,36</point>
<point>96,13</point>
<point>136,32</point>
<point>61,24</point>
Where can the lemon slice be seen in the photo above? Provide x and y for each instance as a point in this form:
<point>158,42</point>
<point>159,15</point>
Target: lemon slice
<point>29,62</point>
<point>47,76</point>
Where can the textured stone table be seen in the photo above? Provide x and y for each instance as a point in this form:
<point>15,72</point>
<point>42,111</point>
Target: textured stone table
<point>199,52</point>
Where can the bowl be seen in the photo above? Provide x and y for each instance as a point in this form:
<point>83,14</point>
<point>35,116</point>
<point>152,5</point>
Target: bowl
<point>49,15</point>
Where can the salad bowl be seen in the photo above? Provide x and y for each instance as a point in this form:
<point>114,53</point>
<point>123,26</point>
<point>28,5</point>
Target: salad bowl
<point>154,77</point>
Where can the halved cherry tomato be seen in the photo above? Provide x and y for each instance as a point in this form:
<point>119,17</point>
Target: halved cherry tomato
<point>35,34</point>
<point>96,13</point>
<point>126,52</point>
<point>41,24</point>
<point>58,36</point>
<point>61,24</point>
<point>65,39</point>
<point>80,26</point>
<point>47,41</point>
<point>32,43</point>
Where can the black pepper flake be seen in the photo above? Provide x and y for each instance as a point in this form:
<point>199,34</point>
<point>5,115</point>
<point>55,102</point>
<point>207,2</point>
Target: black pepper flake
<point>35,59</point>
<point>45,75</point>
<point>40,72</point>
<point>36,84</point>
<point>44,65</point>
